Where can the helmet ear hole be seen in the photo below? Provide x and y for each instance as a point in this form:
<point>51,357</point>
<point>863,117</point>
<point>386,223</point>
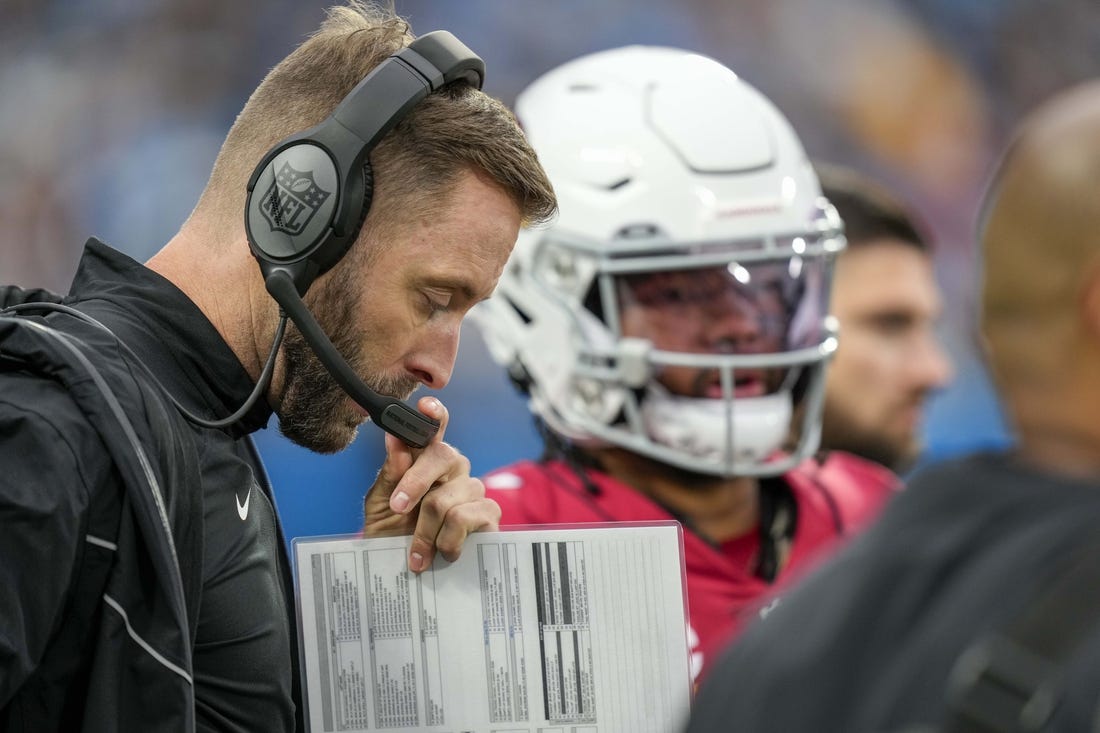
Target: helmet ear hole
<point>593,302</point>
<point>520,377</point>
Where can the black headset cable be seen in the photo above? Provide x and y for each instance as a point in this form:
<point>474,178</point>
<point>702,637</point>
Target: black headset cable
<point>261,383</point>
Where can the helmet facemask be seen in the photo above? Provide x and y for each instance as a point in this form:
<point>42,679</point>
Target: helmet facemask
<point>692,354</point>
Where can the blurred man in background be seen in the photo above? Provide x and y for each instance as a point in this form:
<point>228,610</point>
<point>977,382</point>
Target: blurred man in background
<point>886,300</point>
<point>669,323</point>
<point>972,603</point>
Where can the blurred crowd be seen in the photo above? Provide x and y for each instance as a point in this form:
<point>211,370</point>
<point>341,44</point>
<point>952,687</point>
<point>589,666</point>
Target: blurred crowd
<point>111,112</point>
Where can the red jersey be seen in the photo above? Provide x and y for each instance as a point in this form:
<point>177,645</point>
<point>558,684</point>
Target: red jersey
<point>833,498</point>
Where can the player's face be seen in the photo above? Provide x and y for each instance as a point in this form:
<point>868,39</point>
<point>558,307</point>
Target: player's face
<point>714,310</point>
<point>889,359</point>
<point>396,315</point>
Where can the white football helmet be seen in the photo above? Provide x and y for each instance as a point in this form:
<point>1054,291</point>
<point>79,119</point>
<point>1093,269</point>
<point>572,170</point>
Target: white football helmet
<point>677,306</point>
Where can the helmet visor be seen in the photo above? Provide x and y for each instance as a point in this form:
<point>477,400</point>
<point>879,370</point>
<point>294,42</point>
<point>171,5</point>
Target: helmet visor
<point>759,307</point>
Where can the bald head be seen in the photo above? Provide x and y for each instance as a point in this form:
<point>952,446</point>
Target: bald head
<point>1040,242</point>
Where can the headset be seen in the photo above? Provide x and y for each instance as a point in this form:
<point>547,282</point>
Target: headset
<point>309,195</point>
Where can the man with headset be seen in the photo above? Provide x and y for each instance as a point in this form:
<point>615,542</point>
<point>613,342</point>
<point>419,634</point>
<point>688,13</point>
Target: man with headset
<point>145,582</point>
<point>670,321</point>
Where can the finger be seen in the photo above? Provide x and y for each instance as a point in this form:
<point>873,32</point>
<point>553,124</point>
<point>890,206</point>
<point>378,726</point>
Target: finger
<point>475,516</point>
<point>432,407</point>
<point>378,498</point>
<point>437,464</point>
<point>428,465</point>
<point>399,459</point>
<point>442,505</point>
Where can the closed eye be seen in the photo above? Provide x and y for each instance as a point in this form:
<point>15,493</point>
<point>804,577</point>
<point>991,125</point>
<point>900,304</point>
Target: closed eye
<point>437,300</point>
<point>893,322</point>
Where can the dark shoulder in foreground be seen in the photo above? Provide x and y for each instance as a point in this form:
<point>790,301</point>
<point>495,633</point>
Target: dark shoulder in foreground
<point>14,295</point>
<point>868,642</point>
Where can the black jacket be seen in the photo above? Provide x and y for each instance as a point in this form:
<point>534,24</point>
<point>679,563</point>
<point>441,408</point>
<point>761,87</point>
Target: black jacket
<point>125,607</point>
<point>868,644</point>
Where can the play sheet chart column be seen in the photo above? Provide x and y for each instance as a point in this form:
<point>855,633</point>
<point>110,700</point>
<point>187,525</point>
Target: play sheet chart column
<point>502,611</point>
<point>565,638</point>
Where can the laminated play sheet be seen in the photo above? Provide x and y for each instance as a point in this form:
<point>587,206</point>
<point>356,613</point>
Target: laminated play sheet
<point>532,630</point>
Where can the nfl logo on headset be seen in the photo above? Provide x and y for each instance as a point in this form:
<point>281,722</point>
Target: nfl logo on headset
<point>292,200</point>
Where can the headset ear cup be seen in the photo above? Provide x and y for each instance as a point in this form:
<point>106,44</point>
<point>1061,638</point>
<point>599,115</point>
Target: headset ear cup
<point>358,197</point>
<point>368,196</point>
<point>365,192</point>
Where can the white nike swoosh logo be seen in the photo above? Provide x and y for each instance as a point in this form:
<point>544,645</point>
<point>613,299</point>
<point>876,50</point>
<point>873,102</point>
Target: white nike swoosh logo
<point>242,509</point>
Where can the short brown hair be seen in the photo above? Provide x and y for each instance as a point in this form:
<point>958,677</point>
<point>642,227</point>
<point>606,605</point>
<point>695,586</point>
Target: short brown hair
<point>455,129</point>
<point>868,209</point>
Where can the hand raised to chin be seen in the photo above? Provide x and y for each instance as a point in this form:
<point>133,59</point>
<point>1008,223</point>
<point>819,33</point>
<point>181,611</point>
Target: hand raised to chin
<point>428,493</point>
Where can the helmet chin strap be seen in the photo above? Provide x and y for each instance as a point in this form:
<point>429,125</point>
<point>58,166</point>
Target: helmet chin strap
<point>726,432</point>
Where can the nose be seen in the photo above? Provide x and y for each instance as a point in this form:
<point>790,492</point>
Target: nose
<point>731,323</point>
<point>931,363</point>
<point>435,363</point>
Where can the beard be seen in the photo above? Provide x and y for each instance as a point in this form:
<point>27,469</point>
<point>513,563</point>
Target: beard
<point>315,412</point>
<point>896,453</point>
